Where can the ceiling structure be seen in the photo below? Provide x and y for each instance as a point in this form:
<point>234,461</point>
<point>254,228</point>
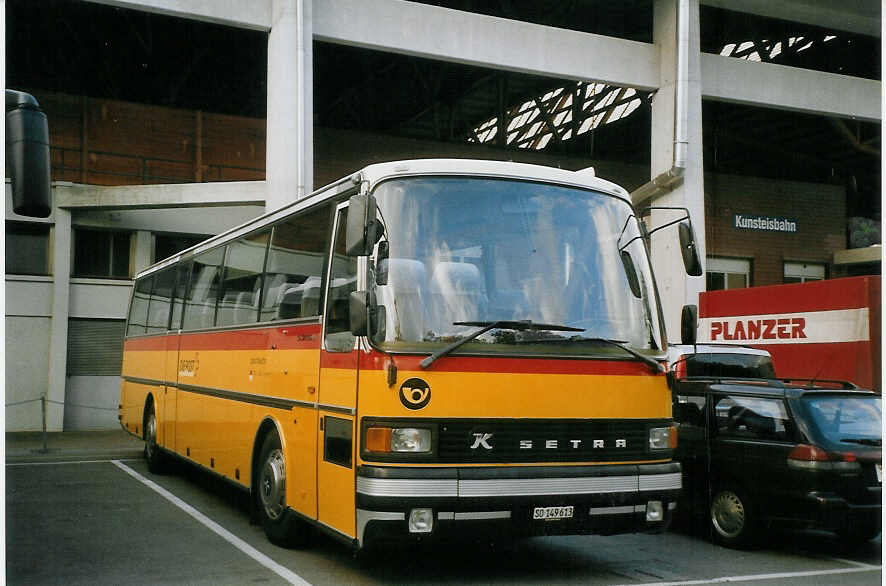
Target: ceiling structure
<point>115,53</point>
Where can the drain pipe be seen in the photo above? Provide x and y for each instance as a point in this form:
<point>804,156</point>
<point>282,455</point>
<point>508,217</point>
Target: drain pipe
<point>673,177</point>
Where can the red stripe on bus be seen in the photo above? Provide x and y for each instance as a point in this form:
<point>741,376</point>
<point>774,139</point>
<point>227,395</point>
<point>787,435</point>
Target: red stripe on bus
<point>293,337</point>
<point>144,344</point>
<point>379,361</point>
<point>307,337</point>
<point>346,360</point>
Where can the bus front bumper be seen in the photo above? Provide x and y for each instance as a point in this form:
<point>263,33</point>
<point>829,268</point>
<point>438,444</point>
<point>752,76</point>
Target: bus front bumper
<point>518,501</point>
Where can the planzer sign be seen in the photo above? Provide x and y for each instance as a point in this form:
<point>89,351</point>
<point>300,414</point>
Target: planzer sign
<point>821,329</point>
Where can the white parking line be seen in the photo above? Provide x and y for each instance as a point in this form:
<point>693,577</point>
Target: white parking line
<point>755,577</point>
<point>258,556</point>
<point>59,462</point>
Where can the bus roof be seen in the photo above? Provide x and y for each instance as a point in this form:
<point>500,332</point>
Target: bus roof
<point>378,172</point>
<point>584,178</point>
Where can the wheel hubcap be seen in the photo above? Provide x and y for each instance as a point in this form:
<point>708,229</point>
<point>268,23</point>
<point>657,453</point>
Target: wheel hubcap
<point>151,435</point>
<point>272,483</point>
<point>728,514</point>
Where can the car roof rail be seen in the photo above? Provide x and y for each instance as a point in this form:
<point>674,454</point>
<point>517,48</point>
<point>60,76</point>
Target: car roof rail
<point>815,383</point>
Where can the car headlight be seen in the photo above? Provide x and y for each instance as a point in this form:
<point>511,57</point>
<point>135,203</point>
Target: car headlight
<point>663,438</point>
<point>398,440</point>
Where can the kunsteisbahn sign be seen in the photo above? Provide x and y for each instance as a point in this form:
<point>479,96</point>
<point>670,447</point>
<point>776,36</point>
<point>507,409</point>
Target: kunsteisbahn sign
<point>821,329</point>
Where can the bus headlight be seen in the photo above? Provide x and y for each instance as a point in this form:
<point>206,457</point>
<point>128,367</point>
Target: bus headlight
<point>398,440</point>
<point>663,438</point>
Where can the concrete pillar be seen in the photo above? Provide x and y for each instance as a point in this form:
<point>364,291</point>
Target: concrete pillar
<point>143,254</point>
<point>290,131</point>
<point>675,286</point>
<point>58,337</point>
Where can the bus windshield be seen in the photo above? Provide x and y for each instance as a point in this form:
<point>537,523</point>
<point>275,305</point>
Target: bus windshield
<point>464,253</point>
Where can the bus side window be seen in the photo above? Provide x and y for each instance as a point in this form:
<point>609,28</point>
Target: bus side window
<point>203,290</point>
<point>138,308</point>
<point>342,281</point>
<point>181,286</point>
<point>161,294</point>
<point>241,289</point>
<point>295,266</point>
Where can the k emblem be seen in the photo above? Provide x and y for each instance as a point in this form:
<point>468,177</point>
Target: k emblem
<point>481,440</point>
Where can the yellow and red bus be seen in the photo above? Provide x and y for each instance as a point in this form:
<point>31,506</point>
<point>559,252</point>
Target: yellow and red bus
<point>421,348</point>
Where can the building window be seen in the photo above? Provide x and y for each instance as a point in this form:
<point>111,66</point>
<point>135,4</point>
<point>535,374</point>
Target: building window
<point>800,272</point>
<point>27,248</point>
<point>728,273</point>
<point>101,253</point>
<point>166,245</point>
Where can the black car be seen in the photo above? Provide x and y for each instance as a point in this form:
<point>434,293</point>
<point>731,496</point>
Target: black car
<point>764,452</point>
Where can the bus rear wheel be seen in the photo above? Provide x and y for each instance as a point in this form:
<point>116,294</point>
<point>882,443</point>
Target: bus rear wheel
<point>154,455</point>
<point>278,521</point>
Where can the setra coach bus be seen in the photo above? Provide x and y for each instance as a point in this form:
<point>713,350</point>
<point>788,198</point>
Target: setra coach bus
<point>423,347</point>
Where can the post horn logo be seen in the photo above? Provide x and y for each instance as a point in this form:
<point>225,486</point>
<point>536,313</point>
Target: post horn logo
<point>415,393</point>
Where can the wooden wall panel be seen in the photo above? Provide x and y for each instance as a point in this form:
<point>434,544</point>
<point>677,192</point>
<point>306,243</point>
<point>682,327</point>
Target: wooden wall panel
<point>129,144</point>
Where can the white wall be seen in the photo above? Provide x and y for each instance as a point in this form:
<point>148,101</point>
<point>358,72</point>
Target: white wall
<point>27,370</point>
<point>91,402</point>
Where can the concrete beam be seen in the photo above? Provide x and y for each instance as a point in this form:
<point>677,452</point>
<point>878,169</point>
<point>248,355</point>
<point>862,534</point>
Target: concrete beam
<point>188,195</point>
<point>790,88</point>
<point>255,14</point>
<point>859,255</point>
<point>854,16</point>
<point>428,31</point>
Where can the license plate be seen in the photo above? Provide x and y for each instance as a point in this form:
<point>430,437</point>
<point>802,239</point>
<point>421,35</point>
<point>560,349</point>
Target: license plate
<point>549,513</point>
<point>879,469</point>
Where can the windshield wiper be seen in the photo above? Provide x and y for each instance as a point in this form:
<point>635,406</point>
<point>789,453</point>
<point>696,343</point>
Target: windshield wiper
<point>862,440</point>
<point>485,326</point>
<point>655,364</point>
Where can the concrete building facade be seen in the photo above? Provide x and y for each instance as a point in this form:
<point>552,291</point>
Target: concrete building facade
<point>64,324</point>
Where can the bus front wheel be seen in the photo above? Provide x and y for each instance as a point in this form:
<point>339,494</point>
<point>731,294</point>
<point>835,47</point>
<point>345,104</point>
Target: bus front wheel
<point>279,523</point>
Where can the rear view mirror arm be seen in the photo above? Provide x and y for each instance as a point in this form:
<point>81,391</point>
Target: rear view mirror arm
<point>672,222</point>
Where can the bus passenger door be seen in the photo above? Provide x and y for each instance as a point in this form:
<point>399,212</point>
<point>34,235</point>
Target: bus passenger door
<point>166,431</point>
<point>172,367</point>
<point>337,396</point>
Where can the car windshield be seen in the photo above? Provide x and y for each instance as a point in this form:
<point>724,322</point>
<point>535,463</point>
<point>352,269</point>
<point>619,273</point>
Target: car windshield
<point>847,418</point>
<point>469,253</point>
<point>729,365</point>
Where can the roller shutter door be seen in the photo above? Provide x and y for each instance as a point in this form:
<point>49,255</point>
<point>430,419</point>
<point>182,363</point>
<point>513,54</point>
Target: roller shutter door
<point>95,347</point>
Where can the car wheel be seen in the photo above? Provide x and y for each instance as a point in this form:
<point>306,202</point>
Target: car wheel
<point>733,518</point>
<point>154,455</point>
<point>854,535</point>
<point>278,521</point>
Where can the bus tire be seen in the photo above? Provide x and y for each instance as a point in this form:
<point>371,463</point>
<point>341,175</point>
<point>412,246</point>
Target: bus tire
<point>278,521</point>
<point>154,455</point>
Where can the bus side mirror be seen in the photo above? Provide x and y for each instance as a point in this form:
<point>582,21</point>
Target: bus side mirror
<point>358,310</point>
<point>27,152</point>
<point>689,324</point>
<point>689,250</point>
<point>362,231</point>
<point>365,315</point>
